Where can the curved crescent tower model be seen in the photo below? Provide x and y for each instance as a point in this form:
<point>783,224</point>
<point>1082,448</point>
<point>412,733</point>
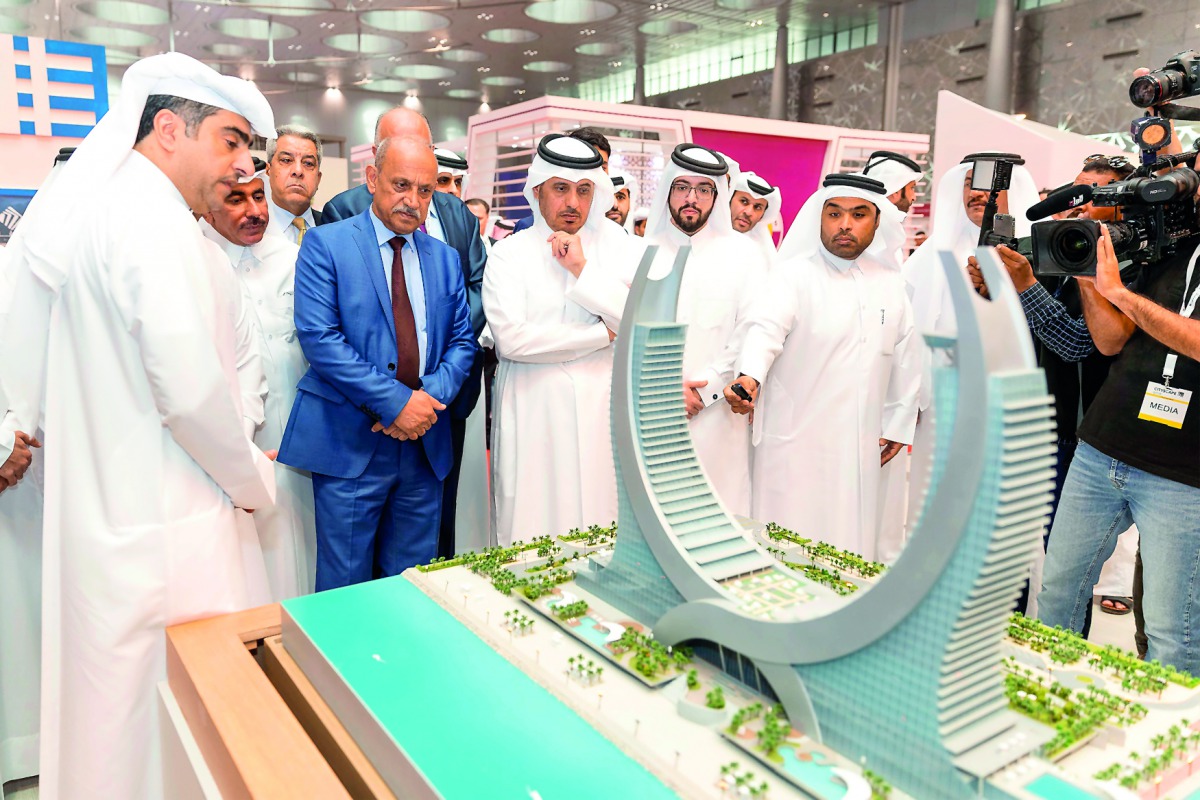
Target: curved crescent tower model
<point>905,676</point>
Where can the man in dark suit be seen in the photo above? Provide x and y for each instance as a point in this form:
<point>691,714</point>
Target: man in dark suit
<point>293,176</point>
<point>453,223</point>
<point>382,316</point>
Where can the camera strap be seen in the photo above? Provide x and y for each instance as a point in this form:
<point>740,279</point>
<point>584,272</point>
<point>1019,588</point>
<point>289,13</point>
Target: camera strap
<point>1189,306</point>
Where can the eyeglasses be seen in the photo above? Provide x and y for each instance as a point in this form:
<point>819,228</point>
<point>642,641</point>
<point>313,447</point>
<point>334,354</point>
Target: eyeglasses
<point>704,192</point>
<point>1116,162</point>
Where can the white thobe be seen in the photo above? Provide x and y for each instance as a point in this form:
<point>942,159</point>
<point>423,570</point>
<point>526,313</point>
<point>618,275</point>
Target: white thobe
<point>287,530</point>
<point>20,603</point>
<point>720,281</point>
<point>830,342</point>
<point>552,459</point>
<point>237,338</point>
<point>933,312</point>
<point>145,458</point>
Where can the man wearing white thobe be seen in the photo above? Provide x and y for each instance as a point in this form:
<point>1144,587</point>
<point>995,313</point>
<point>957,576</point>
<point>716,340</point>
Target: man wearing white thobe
<point>957,214</point>
<point>899,175</point>
<point>723,273</point>
<point>756,209</point>
<point>265,266</point>
<point>830,341</point>
<point>553,295</point>
<point>21,480</point>
<point>146,456</point>
<point>236,335</point>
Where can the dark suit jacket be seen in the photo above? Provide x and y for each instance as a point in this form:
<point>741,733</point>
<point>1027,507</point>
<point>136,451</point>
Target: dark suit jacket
<point>318,217</point>
<point>461,229</point>
<point>345,326</point>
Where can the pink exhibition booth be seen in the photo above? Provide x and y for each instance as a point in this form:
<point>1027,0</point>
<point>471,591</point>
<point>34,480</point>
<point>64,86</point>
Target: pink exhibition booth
<point>793,155</point>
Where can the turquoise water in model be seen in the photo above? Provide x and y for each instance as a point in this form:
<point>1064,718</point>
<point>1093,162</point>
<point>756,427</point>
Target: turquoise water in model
<point>587,629</point>
<point>458,709</point>
<point>1052,787</point>
<point>816,775</point>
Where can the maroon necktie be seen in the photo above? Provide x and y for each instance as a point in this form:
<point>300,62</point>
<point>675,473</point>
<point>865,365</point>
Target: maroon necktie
<point>408,354</point>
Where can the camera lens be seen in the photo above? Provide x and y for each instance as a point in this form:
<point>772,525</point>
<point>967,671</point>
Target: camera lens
<point>1145,91</point>
<point>1073,249</point>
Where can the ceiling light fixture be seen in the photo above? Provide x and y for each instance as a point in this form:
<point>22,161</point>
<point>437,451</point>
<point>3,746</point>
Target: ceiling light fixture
<point>483,69</point>
<point>484,16</point>
<point>531,52</point>
<point>587,32</point>
<point>614,63</point>
<point>562,78</point>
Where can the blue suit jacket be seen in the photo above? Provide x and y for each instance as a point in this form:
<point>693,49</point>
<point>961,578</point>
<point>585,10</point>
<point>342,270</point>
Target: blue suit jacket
<point>345,326</point>
<point>461,228</point>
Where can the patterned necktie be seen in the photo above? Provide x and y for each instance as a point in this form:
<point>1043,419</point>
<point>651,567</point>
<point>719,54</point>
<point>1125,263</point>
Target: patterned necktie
<point>299,223</point>
<point>408,354</point>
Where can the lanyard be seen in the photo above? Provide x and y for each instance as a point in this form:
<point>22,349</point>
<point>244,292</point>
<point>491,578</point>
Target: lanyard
<point>1189,305</point>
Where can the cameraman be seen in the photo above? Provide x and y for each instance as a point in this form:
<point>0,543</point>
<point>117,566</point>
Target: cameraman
<point>1065,351</point>
<point>1138,459</point>
<point>1179,332</point>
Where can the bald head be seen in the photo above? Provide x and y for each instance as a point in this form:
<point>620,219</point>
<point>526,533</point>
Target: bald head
<point>401,181</point>
<point>402,122</point>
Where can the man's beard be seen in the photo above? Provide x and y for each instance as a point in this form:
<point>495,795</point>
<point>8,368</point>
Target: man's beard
<point>689,227</point>
<point>619,217</point>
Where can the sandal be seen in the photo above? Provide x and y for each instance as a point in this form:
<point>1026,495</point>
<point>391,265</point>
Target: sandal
<point>1113,604</point>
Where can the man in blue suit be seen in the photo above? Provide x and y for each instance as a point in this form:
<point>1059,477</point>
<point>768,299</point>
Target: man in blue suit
<point>452,222</point>
<point>382,317</point>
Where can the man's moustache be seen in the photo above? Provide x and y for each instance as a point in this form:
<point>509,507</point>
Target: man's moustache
<point>254,221</point>
<point>403,209</point>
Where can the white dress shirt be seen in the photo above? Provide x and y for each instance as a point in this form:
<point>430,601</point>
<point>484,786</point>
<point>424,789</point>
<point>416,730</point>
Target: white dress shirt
<point>412,278</point>
<point>281,221</point>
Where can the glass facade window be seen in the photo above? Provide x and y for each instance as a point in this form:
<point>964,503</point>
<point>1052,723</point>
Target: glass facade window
<point>755,53</point>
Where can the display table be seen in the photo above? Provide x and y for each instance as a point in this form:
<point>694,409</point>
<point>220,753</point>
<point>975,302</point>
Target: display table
<point>260,728</point>
<point>432,705</point>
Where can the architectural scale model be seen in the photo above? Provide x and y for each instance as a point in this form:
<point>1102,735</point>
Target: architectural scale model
<point>733,659</point>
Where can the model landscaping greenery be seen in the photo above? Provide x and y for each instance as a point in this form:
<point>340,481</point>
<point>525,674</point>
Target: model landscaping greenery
<point>739,784</point>
<point>1074,715</point>
<point>517,623</point>
<point>820,551</point>
<point>586,672</point>
<point>828,578</point>
<point>1065,647</point>
<point>592,537</point>
<point>744,715</point>
<point>880,789</point>
<point>571,610</point>
<point>648,657</point>
<point>1172,752</point>
<point>715,698</point>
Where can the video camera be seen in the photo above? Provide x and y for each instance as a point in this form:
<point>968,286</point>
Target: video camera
<point>1157,211</point>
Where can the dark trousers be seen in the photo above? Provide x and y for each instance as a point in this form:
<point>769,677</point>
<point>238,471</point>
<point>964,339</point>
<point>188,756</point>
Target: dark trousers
<point>445,542</point>
<point>380,523</point>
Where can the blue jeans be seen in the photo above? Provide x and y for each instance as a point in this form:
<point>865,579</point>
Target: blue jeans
<point>1101,498</point>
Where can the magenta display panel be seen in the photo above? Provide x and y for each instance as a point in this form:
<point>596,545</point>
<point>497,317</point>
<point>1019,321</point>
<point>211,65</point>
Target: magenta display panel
<point>792,164</point>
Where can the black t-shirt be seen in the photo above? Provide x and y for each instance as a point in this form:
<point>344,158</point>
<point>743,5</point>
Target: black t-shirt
<point>1112,425</point>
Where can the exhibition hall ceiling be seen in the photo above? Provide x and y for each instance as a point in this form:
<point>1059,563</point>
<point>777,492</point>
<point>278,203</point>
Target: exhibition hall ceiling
<point>498,52</point>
